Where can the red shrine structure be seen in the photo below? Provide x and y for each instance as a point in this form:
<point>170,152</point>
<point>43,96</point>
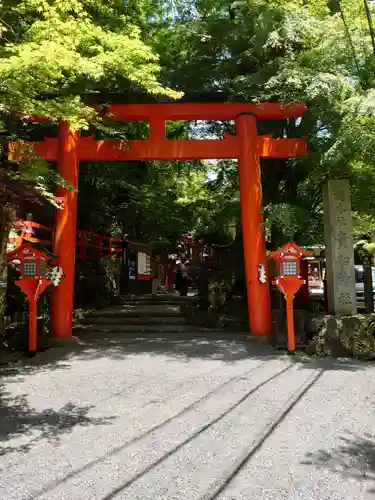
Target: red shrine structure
<point>247,146</point>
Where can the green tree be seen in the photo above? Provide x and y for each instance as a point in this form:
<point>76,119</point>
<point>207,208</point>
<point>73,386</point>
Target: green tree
<point>318,52</point>
<point>54,56</point>
<point>59,57</point>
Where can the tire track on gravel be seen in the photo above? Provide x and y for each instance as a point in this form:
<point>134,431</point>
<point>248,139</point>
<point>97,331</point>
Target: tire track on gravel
<point>152,429</point>
<point>202,429</point>
<point>223,483</point>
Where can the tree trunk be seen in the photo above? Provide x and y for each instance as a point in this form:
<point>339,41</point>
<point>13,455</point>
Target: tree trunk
<point>6,217</point>
<point>367,285</point>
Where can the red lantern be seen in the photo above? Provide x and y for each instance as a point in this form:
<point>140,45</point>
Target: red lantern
<point>289,280</point>
<point>33,281</point>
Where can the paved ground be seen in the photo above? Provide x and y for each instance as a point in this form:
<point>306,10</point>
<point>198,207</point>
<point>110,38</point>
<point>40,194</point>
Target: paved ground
<point>186,421</point>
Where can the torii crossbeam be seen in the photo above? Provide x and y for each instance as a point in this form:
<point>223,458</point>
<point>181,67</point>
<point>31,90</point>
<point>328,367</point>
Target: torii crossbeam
<point>69,149</point>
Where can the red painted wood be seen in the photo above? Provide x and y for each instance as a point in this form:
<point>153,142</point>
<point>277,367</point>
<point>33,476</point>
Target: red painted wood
<point>69,149</point>
<point>161,149</point>
<point>81,242</point>
<point>258,294</point>
<point>195,111</point>
<point>205,111</point>
<point>281,148</point>
<point>290,284</point>
<point>33,288</point>
<point>33,326</point>
<point>65,233</point>
<point>144,277</point>
<point>227,148</point>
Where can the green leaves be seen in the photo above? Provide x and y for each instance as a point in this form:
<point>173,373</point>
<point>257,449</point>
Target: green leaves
<point>287,50</point>
<point>53,53</point>
<point>66,52</point>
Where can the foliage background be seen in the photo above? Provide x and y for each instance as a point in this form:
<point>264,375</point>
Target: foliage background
<point>58,58</point>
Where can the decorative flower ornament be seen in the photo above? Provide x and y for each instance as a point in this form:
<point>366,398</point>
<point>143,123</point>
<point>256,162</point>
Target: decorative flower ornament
<point>55,275</point>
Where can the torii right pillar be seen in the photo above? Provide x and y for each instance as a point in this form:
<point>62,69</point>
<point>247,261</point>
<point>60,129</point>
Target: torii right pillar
<point>258,291</point>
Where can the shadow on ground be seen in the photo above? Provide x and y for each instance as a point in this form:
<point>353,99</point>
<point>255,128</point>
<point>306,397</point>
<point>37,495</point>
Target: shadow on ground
<point>236,465</point>
<point>355,458</point>
<point>96,346</point>
<point>25,426</point>
<point>19,420</point>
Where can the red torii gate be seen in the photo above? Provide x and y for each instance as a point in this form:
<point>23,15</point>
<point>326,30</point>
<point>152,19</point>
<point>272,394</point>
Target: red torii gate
<point>69,149</point>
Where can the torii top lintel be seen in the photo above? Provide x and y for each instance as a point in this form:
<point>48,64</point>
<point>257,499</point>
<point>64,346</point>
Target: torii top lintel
<point>158,147</point>
<point>205,111</point>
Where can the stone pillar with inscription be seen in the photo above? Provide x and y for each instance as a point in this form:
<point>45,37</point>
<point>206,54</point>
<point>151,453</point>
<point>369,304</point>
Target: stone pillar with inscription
<point>339,248</point>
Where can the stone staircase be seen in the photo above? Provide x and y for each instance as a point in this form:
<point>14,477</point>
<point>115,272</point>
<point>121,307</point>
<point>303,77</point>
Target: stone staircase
<point>148,316</point>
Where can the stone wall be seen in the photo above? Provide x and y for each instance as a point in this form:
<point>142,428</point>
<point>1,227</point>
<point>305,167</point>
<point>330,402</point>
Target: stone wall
<point>345,336</point>
<point>328,335</point>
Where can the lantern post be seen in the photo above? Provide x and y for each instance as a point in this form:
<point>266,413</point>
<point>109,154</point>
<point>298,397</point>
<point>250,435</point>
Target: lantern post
<point>34,278</point>
<point>289,281</point>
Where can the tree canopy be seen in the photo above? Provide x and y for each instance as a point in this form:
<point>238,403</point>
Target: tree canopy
<point>58,57</point>
<point>318,52</point>
<point>54,54</point>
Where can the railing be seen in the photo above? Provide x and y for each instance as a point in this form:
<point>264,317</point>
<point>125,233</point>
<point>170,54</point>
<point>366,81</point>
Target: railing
<point>89,245</point>
<point>92,246</point>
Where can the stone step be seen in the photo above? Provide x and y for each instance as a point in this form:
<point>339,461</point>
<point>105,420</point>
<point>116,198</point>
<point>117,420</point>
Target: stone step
<point>153,303</point>
<point>154,299</point>
<point>97,336</point>
<point>138,329</point>
<point>136,310</point>
<point>136,320</point>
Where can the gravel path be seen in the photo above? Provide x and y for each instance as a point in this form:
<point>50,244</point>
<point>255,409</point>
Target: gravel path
<point>198,420</point>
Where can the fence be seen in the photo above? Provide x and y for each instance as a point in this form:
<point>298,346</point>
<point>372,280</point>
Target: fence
<point>89,245</point>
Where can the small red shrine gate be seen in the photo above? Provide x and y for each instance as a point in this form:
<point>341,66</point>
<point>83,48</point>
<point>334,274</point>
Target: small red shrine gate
<point>69,149</point>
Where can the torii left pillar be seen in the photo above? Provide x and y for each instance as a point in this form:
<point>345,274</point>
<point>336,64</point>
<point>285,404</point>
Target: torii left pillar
<point>64,241</point>
<point>258,293</point>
